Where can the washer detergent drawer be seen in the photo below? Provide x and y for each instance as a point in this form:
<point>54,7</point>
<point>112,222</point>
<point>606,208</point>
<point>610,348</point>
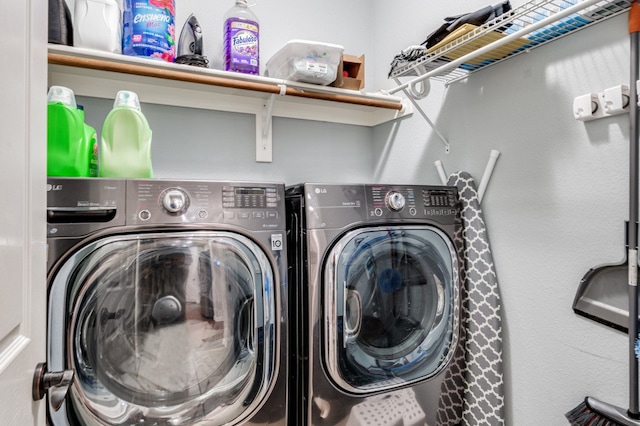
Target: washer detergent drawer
<point>390,297</point>
<point>166,328</point>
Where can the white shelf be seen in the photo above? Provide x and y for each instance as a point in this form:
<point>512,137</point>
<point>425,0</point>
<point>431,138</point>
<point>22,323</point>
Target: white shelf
<point>526,27</point>
<point>471,48</point>
<point>101,75</point>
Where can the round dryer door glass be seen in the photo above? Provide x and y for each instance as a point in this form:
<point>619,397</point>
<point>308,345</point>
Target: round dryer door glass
<point>391,295</point>
<point>170,328</point>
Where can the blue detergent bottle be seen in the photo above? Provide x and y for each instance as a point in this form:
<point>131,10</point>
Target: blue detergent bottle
<point>125,140</point>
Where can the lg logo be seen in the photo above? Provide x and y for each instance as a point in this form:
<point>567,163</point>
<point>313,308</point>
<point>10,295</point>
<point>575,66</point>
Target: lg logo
<point>54,187</point>
<point>321,190</point>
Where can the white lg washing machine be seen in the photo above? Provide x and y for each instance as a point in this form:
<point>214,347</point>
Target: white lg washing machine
<point>375,301</point>
<point>166,302</point>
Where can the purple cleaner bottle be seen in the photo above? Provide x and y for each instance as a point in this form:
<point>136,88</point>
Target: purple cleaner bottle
<point>241,40</point>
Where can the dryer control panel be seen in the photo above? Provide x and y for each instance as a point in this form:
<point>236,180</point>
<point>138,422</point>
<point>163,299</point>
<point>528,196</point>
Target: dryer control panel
<point>404,201</point>
<point>335,206</point>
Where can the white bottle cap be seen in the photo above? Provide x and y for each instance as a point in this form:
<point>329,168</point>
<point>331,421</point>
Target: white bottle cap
<point>61,94</point>
<point>128,99</point>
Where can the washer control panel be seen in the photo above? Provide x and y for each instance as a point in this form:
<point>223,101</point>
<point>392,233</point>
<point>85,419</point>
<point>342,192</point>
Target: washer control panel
<point>255,206</point>
<point>236,197</point>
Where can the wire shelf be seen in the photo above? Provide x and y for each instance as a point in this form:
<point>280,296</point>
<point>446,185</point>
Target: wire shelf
<point>467,49</point>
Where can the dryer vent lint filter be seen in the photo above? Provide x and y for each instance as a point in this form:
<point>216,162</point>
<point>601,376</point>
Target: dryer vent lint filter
<point>395,409</point>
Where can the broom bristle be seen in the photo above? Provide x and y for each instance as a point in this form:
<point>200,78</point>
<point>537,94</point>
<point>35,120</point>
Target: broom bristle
<point>583,415</point>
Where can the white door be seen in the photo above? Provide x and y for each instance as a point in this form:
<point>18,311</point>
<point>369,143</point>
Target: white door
<point>23,79</point>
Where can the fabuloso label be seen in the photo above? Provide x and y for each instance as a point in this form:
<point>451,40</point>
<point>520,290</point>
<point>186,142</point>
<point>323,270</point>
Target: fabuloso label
<point>149,29</point>
<point>244,40</point>
<point>241,47</point>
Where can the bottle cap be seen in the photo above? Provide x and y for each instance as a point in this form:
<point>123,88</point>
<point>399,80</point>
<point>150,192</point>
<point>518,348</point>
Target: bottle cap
<point>128,99</point>
<point>61,94</point>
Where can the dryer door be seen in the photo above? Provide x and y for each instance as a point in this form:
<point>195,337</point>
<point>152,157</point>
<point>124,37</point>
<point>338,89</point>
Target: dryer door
<point>166,328</point>
<point>391,307</point>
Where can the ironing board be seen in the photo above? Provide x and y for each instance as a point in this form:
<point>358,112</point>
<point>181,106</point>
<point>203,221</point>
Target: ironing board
<point>473,390</point>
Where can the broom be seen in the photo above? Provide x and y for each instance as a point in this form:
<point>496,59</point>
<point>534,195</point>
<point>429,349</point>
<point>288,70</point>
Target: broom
<point>592,412</point>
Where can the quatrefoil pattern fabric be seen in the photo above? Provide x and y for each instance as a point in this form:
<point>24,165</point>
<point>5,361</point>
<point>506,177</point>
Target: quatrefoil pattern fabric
<point>473,390</point>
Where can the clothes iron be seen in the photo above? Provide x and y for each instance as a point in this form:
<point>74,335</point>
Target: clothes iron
<point>190,44</point>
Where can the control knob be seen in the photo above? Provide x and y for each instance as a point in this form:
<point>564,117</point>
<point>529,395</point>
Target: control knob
<point>175,201</point>
<point>395,201</point>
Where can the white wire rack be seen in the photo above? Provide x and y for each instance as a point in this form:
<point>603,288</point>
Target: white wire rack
<point>526,27</point>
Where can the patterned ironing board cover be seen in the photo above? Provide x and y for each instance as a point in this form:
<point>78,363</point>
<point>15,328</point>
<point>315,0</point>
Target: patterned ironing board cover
<point>473,389</point>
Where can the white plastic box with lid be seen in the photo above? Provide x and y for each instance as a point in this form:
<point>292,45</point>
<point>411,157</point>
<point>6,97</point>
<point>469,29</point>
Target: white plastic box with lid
<point>305,61</point>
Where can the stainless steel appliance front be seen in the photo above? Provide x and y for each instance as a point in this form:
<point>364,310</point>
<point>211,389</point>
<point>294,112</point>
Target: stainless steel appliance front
<point>168,306</point>
<point>374,286</point>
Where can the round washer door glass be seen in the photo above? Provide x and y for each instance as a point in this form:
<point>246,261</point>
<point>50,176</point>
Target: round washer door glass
<point>390,299</point>
<point>170,328</point>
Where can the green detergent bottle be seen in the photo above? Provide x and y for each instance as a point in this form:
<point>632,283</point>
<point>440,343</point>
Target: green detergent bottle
<point>92,138</point>
<point>71,143</point>
<point>125,141</point>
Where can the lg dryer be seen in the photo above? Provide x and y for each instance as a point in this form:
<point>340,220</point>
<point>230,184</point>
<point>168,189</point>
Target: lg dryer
<point>166,301</point>
<point>375,300</point>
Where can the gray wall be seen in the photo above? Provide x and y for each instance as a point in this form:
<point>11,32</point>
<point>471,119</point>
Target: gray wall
<point>194,143</point>
<point>556,204</point>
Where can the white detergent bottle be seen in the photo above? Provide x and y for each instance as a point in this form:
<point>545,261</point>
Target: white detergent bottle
<point>125,141</point>
<point>97,24</point>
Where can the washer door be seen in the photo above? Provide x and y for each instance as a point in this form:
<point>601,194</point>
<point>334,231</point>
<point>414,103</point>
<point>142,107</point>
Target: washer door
<point>391,303</point>
<point>169,328</point>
